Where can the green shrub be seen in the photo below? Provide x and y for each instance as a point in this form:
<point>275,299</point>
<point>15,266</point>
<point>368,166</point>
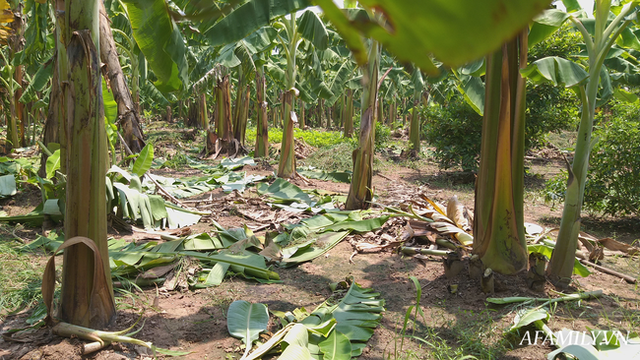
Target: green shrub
<point>455,131</point>
<point>612,185</point>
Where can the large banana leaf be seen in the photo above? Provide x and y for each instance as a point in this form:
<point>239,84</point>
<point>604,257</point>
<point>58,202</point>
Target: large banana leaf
<point>338,331</point>
<point>249,17</point>
<point>38,83</point>
<point>454,31</point>
<point>312,28</point>
<point>160,41</point>
<point>246,321</point>
<point>555,70</point>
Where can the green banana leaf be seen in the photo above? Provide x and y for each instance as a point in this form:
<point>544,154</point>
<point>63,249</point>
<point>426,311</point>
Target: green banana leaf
<point>312,28</point>
<point>336,347</point>
<point>322,333</point>
<point>38,83</point>
<point>160,41</point>
<point>282,191</point>
<point>557,71</point>
<point>143,161</point>
<point>246,321</point>
<point>248,18</point>
<point>438,28</point>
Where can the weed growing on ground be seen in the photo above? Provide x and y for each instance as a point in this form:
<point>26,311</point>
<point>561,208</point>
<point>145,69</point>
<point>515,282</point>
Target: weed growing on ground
<point>20,277</point>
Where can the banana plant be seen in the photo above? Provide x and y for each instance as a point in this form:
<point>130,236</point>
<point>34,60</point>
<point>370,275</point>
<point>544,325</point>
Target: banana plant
<point>86,170</point>
<point>608,27</point>
<point>414,125</point>
<point>360,190</point>
<point>498,229</point>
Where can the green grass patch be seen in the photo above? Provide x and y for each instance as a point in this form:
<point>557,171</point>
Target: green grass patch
<point>332,158</point>
<point>20,277</point>
<point>315,138</point>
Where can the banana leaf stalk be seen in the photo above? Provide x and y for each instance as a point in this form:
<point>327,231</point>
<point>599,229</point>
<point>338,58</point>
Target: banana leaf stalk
<point>360,191</point>
<point>86,209</point>
<point>262,130</point>
<point>499,238</point>
<point>560,265</point>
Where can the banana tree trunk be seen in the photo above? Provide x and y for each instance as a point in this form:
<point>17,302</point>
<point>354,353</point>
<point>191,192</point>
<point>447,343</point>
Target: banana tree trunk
<point>204,116</point>
<point>287,165</point>
<point>262,131</point>
<point>414,127</point>
<point>499,221</point>
<point>348,119</point>
<point>606,32</point>
<point>128,116</point>
<point>17,45</point>
<point>302,119</point>
<point>224,109</point>
<point>360,190</point>
<point>240,122</point>
<point>86,209</point>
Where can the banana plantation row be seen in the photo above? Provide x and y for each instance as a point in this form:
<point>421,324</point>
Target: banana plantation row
<point>89,70</point>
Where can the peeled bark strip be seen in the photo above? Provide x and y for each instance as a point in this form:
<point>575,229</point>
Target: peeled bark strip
<point>86,210</point>
<point>128,116</point>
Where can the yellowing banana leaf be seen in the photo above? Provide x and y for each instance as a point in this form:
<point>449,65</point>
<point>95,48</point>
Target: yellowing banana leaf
<point>446,228</point>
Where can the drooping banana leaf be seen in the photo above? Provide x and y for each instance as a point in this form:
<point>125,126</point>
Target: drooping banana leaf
<point>438,28</point>
<point>248,18</point>
<point>160,41</point>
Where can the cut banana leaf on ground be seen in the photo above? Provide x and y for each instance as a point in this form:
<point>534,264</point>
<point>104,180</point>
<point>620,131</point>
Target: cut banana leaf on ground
<point>283,192</point>
<point>246,321</point>
<point>334,330</point>
<point>7,186</point>
<point>335,176</point>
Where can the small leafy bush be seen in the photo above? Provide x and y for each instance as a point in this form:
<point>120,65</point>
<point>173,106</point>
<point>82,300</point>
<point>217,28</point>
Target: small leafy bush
<point>612,185</point>
<point>455,130</point>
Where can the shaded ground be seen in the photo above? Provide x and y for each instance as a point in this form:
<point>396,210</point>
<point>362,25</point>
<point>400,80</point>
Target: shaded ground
<point>453,324</point>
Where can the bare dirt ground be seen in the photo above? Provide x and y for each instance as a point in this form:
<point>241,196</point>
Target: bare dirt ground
<point>454,324</point>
